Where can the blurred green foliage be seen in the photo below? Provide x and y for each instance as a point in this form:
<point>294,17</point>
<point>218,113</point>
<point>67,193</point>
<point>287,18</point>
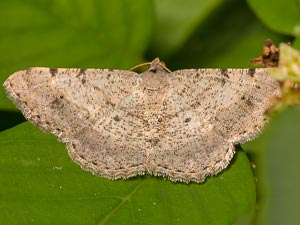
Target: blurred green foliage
<point>39,184</point>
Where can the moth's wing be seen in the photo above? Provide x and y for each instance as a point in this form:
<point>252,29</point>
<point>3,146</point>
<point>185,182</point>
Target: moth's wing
<point>209,111</point>
<point>88,110</point>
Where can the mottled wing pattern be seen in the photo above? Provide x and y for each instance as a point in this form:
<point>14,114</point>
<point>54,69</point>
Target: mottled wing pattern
<point>206,112</point>
<point>85,109</point>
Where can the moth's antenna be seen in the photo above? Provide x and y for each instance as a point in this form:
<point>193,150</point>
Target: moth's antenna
<point>156,61</point>
<point>140,65</point>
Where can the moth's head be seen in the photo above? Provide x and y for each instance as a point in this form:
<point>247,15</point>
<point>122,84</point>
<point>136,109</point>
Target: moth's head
<point>156,77</point>
<point>157,66</point>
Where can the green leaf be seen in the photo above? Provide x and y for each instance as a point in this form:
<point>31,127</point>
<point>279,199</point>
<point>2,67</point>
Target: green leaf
<point>281,164</point>
<point>176,22</point>
<point>39,184</point>
<point>72,33</point>
<point>282,158</point>
<point>278,163</point>
<point>233,42</point>
<point>296,43</point>
<point>280,16</point>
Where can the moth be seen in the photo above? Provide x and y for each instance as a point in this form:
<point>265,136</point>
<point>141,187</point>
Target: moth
<point>117,124</point>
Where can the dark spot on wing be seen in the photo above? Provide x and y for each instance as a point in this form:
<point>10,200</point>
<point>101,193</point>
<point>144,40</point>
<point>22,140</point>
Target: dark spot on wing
<point>187,120</point>
<point>57,102</point>
<point>81,156</point>
<point>117,118</point>
<point>251,72</point>
<point>249,102</point>
<point>197,75</point>
<point>82,71</point>
<point>53,71</point>
<point>28,71</point>
<point>58,130</point>
<point>152,141</point>
<point>223,81</point>
<point>110,103</point>
<point>205,168</point>
<point>224,72</point>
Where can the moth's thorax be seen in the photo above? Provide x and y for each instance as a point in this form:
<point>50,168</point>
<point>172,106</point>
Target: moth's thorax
<point>152,89</point>
<point>155,81</point>
<point>150,94</point>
